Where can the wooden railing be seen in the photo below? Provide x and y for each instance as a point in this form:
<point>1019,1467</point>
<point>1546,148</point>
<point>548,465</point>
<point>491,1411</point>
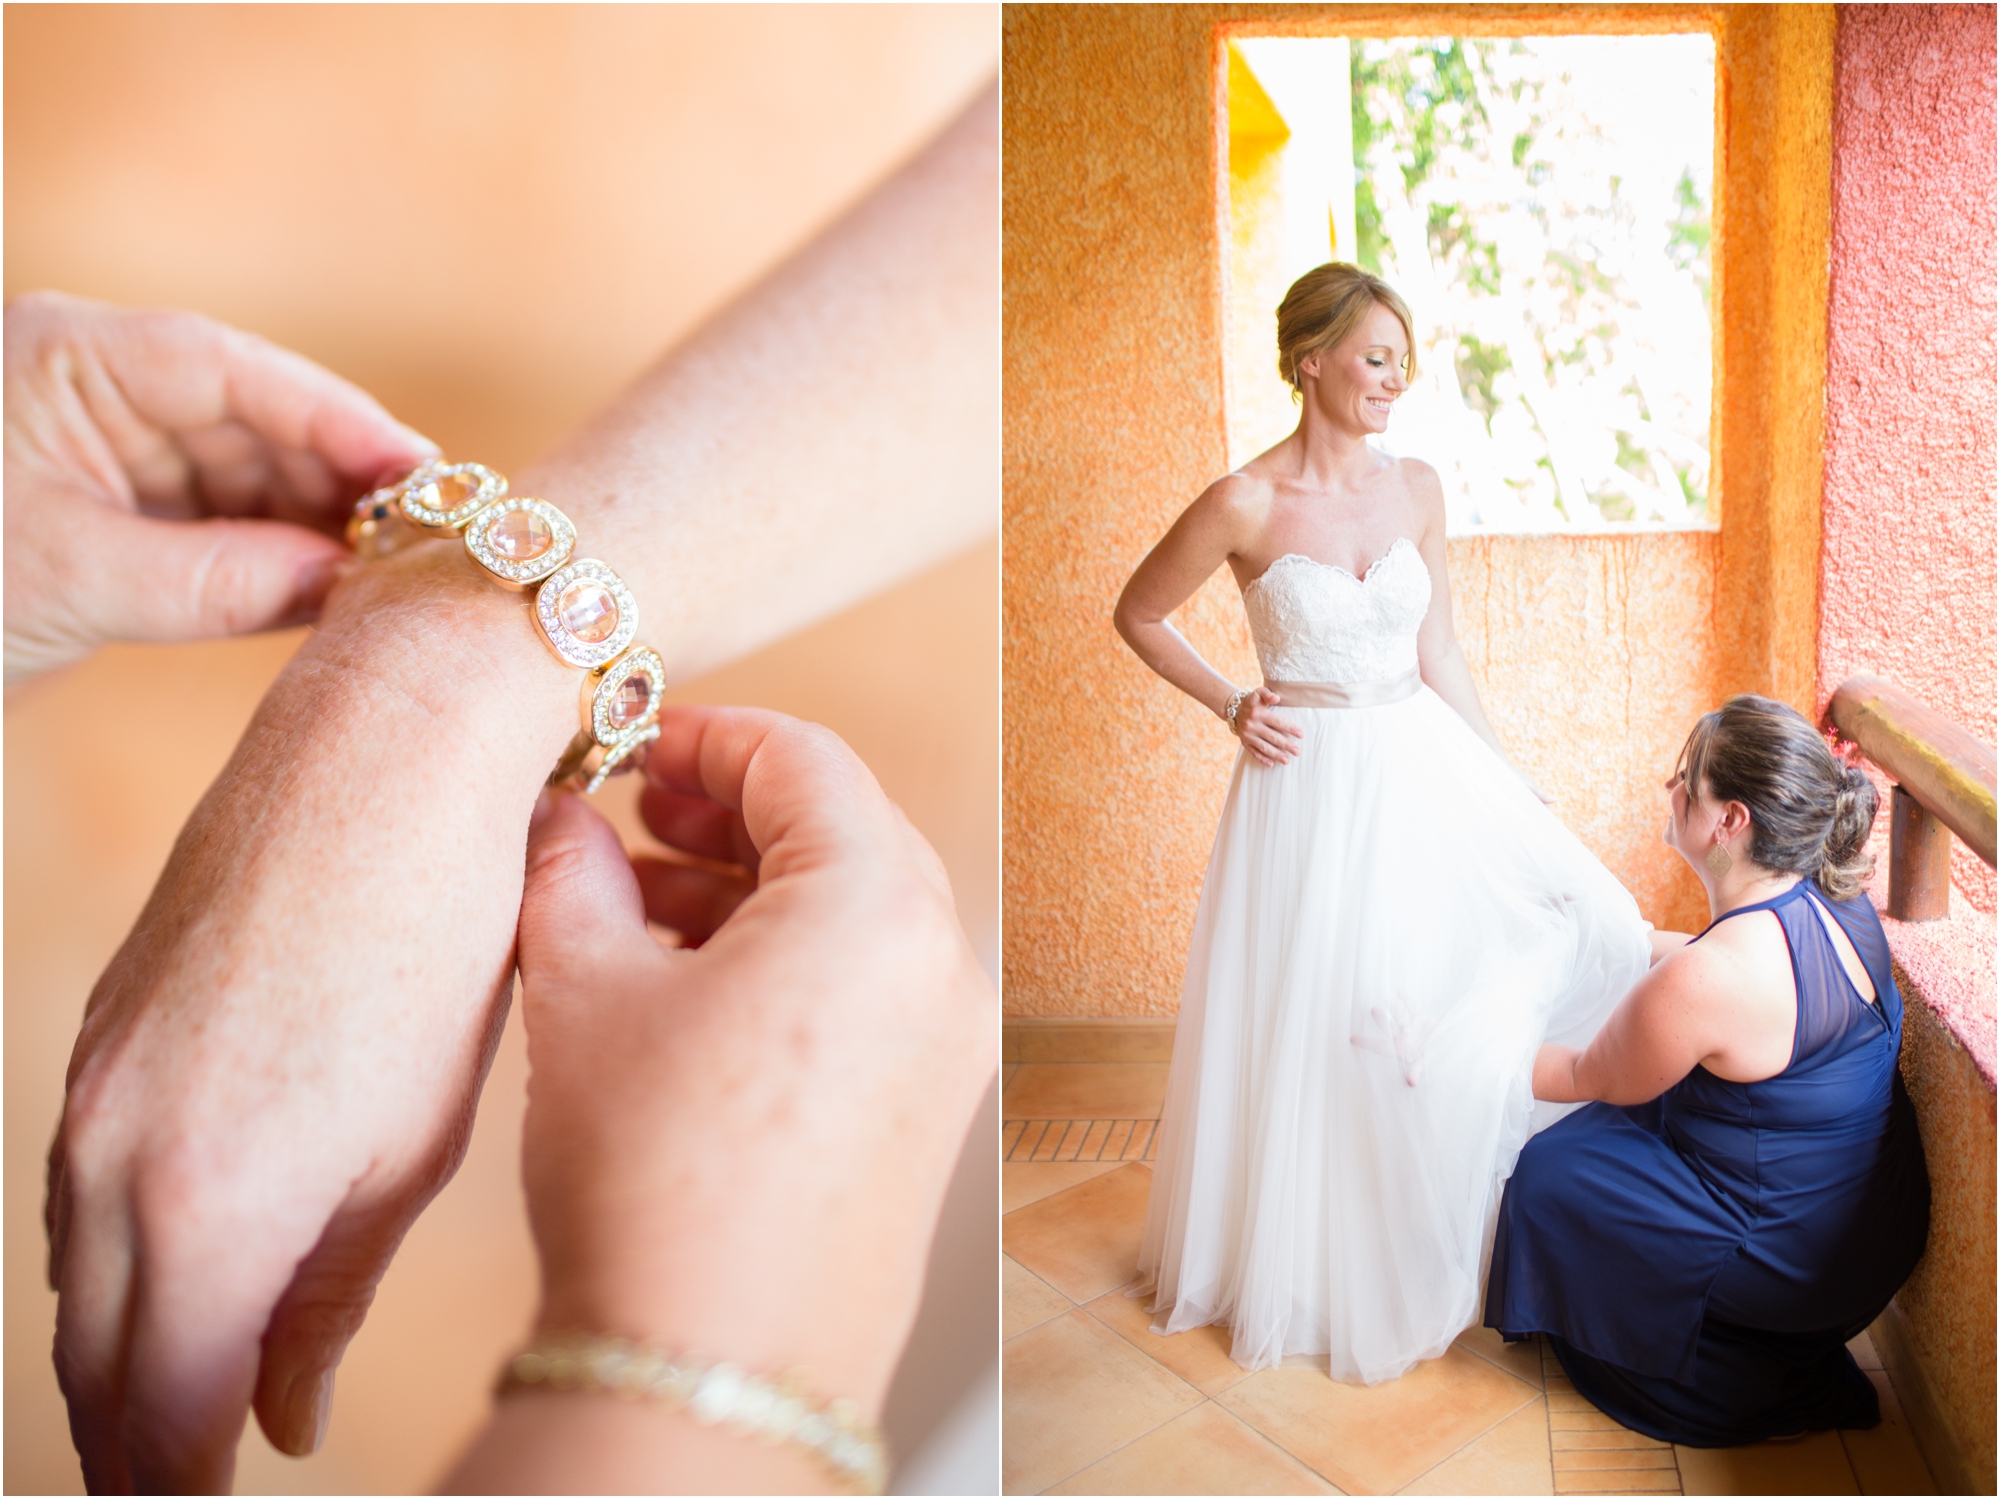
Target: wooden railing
<point>1944,784</point>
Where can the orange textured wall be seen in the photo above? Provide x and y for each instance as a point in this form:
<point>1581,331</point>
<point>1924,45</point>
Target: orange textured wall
<point>1593,652</point>
<point>1776,106</point>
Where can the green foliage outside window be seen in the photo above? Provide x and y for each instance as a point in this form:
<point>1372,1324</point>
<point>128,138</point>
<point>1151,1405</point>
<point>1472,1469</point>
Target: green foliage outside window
<point>1524,195</point>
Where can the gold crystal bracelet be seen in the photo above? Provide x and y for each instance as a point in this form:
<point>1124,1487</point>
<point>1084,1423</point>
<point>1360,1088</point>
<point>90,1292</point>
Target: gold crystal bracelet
<point>583,610</point>
<point>715,1394</point>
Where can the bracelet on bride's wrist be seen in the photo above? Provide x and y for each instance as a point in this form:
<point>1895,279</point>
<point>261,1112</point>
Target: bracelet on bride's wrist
<point>583,611</point>
<point>1235,702</point>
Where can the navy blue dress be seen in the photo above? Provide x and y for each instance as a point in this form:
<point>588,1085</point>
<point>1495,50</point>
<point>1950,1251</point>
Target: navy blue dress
<point>1699,1262</point>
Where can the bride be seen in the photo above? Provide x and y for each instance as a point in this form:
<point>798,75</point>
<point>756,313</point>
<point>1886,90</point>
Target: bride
<point>1392,921</point>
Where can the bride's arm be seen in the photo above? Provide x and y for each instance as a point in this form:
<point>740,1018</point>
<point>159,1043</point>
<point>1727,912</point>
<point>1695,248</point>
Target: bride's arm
<point>1439,655</point>
<point>1201,541</point>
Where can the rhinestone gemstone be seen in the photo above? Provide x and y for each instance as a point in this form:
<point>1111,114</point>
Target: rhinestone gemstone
<point>521,536</point>
<point>629,703</point>
<point>451,491</point>
<point>588,611</point>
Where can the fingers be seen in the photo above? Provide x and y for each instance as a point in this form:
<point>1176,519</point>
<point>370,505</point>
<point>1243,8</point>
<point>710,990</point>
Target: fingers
<point>93,1274</point>
<point>318,1316</point>
<point>696,825</point>
<point>580,900</point>
<point>195,411</point>
<point>150,579</point>
<point>183,372</point>
<point>1266,698</point>
<point>694,902</point>
<point>197,1316</point>
<point>804,796</point>
<point>157,1332</point>
<point>1271,739</point>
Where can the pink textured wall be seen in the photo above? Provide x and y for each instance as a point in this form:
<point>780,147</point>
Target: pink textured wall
<point>1907,553</point>
<point>1907,588</point>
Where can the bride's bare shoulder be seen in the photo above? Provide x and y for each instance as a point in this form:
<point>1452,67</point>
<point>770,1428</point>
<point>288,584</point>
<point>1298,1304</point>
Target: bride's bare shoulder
<point>1425,490</point>
<point>1238,502</point>
<point>1421,480</point>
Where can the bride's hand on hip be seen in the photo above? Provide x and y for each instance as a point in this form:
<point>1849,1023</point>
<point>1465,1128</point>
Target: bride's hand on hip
<point>1272,738</point>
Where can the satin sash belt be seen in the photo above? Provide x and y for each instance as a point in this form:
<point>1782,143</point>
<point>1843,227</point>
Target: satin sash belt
<point>1347,694</point>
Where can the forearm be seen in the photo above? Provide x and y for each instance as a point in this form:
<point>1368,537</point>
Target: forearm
<point>833,430</point>
<point>1603,1072</point>
<point>1167,652</point>
<point>1447,674</point>
<point>1555,1075</point>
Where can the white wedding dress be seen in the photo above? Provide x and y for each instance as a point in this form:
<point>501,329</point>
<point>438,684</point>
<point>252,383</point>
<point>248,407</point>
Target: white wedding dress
<point>1389,926</point>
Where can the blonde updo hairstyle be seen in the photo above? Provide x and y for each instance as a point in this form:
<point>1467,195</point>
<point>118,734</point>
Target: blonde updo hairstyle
<point>1809,813</point>
<point>1325,305</point>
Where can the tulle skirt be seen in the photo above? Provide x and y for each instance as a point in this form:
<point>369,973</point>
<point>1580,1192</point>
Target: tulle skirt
<point>1389,927</point>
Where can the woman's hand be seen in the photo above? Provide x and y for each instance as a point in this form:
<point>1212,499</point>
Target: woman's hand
<point>279,1068</point>
<point>740,1146</point>
<point>1271,737</point>
<point>168,478</point>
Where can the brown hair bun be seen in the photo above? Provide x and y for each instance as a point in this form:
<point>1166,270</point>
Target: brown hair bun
<point>1809,813</point>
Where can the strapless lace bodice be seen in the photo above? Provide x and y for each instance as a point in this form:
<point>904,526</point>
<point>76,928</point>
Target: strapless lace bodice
<point>1314,622</point>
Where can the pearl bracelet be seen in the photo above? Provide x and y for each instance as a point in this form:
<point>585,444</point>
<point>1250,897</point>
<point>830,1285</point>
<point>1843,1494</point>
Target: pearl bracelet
<point>773,1411</point>
<point>586,614</point>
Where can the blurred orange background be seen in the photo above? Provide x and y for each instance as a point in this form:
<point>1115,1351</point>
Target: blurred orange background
<point>492,218</point>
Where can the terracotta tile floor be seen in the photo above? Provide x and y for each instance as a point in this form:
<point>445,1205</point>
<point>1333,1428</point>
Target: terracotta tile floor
<point>1096,1403</point>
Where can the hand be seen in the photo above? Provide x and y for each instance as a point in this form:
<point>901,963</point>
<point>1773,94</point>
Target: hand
<point>279,1068</point>
<point>740,1146</point>
<point>168,478</point>
<point>1268,736</point>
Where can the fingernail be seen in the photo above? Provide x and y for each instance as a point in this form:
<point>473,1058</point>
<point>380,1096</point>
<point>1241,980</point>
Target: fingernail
<point>322,1411</point>
<point>308,1409</point>
<point>420,442</point>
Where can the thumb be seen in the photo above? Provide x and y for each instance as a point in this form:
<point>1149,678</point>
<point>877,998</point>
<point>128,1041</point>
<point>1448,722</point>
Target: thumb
<point>165,580</point>
<point>580,900</point>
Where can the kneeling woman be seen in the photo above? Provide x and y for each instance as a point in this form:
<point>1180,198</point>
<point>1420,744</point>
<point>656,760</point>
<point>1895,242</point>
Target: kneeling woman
<point>1748,1189</point>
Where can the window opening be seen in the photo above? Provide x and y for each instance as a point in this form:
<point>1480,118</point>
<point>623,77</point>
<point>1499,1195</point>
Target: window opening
<point>1543,203</point>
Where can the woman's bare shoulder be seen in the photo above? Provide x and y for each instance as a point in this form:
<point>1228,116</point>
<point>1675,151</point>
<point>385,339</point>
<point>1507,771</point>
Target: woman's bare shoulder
<point>1420,477</point>
<point>1738,966</point>
<point>1425,489</point>
<point>1237,502</point>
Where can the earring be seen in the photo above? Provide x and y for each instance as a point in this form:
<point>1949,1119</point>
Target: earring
<point>1718,860</point>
